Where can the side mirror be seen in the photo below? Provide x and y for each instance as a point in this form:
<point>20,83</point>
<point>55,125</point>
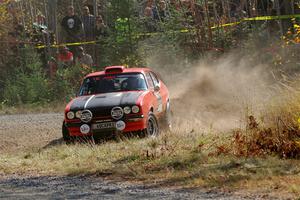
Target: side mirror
<point>156,88</point>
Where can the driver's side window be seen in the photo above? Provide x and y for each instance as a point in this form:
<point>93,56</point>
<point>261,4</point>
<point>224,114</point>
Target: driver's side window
<point>87,87</point>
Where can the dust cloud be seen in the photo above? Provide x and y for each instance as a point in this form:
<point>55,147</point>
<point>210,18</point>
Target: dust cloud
<point>217,94</point>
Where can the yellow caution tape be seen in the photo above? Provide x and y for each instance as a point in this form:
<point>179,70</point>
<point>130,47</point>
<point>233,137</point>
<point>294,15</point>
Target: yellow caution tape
<point>262,18</point>
<point>66,44</point>
<point>224,25</point>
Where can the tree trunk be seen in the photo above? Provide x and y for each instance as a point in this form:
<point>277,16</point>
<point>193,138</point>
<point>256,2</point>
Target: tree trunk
<point>285,9</point>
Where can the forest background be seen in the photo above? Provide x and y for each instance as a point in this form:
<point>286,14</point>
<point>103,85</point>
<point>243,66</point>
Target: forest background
<point>193,30</point>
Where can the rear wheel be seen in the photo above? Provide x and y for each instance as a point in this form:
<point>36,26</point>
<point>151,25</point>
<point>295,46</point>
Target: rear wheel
<point>166,120</point>
<point>152,129</point>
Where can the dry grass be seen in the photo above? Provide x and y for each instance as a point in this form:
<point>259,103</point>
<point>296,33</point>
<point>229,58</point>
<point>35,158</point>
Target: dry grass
<point>52,107</point>
<point>173,159</point>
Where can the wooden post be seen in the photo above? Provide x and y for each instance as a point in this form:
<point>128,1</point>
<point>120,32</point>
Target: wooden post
<point>95,7</point>
<point>52,8</point>
<point>22,13</point>
<point>277,5</point>
<point>293,6</point>
<point>208,25</point>
<point>46,13</point>
<point>31,13</point>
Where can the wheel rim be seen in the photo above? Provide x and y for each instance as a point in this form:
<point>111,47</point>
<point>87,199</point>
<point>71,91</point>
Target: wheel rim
<point>152,127</point>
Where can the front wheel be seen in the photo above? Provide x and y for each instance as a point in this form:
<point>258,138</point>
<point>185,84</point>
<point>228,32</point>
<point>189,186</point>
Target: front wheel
<point>65,133</point>
<point>152,129</point>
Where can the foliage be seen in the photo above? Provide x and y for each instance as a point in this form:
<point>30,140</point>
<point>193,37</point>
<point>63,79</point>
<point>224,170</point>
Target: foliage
<point>184,35</point>
<point>29,84</point>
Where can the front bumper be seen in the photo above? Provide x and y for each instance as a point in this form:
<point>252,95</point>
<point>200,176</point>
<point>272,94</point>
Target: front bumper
<point>132,123</point>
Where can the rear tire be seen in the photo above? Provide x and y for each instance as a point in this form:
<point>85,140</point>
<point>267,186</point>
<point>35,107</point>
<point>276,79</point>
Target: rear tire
<point>166,120</point>
<point>152,129</point>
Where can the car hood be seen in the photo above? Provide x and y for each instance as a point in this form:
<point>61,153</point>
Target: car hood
<point>106,100</point>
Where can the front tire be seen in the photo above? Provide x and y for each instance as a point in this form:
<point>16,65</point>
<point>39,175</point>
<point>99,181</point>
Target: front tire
<point>65,133</point>
<point>152,129</point>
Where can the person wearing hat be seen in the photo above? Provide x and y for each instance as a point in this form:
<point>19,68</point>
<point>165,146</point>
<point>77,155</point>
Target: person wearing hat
<point>65,56</point>
<point>84,58</point>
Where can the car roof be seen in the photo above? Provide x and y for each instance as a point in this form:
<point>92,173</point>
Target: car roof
<point>124,70</point>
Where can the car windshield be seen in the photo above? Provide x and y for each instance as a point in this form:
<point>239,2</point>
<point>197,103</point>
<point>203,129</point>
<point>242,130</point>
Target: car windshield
<point>113,83</point>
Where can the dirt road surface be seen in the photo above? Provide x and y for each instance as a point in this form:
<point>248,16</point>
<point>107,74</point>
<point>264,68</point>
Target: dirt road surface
<point>30,131</point>
<point>92,188</point>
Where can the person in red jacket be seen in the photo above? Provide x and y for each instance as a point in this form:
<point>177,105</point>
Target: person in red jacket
<point>65,56</point>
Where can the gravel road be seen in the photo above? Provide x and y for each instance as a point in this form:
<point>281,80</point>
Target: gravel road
<point>17,133</point>
<point>82,187</point>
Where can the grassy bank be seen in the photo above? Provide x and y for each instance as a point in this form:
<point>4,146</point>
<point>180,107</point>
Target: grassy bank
<point>173,159</point>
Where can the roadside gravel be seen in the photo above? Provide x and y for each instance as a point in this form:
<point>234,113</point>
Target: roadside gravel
<point>28,131</point>
<point>86,187</point>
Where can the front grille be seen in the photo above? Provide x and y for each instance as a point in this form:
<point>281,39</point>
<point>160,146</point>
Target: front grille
<point>101,112</point>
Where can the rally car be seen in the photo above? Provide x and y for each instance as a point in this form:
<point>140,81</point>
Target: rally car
<point>116,101</point>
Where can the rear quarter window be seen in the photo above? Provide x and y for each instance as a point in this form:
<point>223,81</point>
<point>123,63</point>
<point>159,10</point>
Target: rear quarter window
<point>149,80</point>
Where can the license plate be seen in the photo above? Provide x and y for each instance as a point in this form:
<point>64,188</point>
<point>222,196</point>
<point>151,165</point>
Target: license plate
<point>105,125</point>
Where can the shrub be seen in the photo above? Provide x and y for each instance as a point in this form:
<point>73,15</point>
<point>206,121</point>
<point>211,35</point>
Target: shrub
<point>28,83</point>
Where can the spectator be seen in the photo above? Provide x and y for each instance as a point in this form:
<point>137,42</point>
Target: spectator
<point>149,20</point>
<point>52,65</point>
<point>150,3</point>
<point>72,26</point>
<point>188,7</point>
<point>84,58</point>
<point>174,5</point>
<point>65,56</point>
<point>160,13</point>
<point>101,29</point>
<point>148,13</point>
<point>88,24</point>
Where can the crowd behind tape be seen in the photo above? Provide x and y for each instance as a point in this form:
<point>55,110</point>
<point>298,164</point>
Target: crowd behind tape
<point>261,18</point>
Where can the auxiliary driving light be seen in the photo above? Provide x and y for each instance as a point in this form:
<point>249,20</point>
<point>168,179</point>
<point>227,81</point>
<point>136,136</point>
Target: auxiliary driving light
<point>85,129</point>
<point>78,114</point>
<point>135,109</point>
<point>120,125</point>
<point>70,115</point>
<point>127,110</point>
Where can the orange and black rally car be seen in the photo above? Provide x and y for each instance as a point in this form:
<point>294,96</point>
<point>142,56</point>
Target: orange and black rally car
<point>116,101</point>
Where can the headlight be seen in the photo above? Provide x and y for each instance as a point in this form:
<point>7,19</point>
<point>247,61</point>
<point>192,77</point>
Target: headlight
<point>127,110</point>
<point>117,112</point>
<point>78,114</point>
<point>70,115</point>
<point>135,109</point>
<point>86,116</point>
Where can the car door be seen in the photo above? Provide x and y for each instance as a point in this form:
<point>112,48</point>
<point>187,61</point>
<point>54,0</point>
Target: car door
<point>157,92</point>
<point>154,95</point>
